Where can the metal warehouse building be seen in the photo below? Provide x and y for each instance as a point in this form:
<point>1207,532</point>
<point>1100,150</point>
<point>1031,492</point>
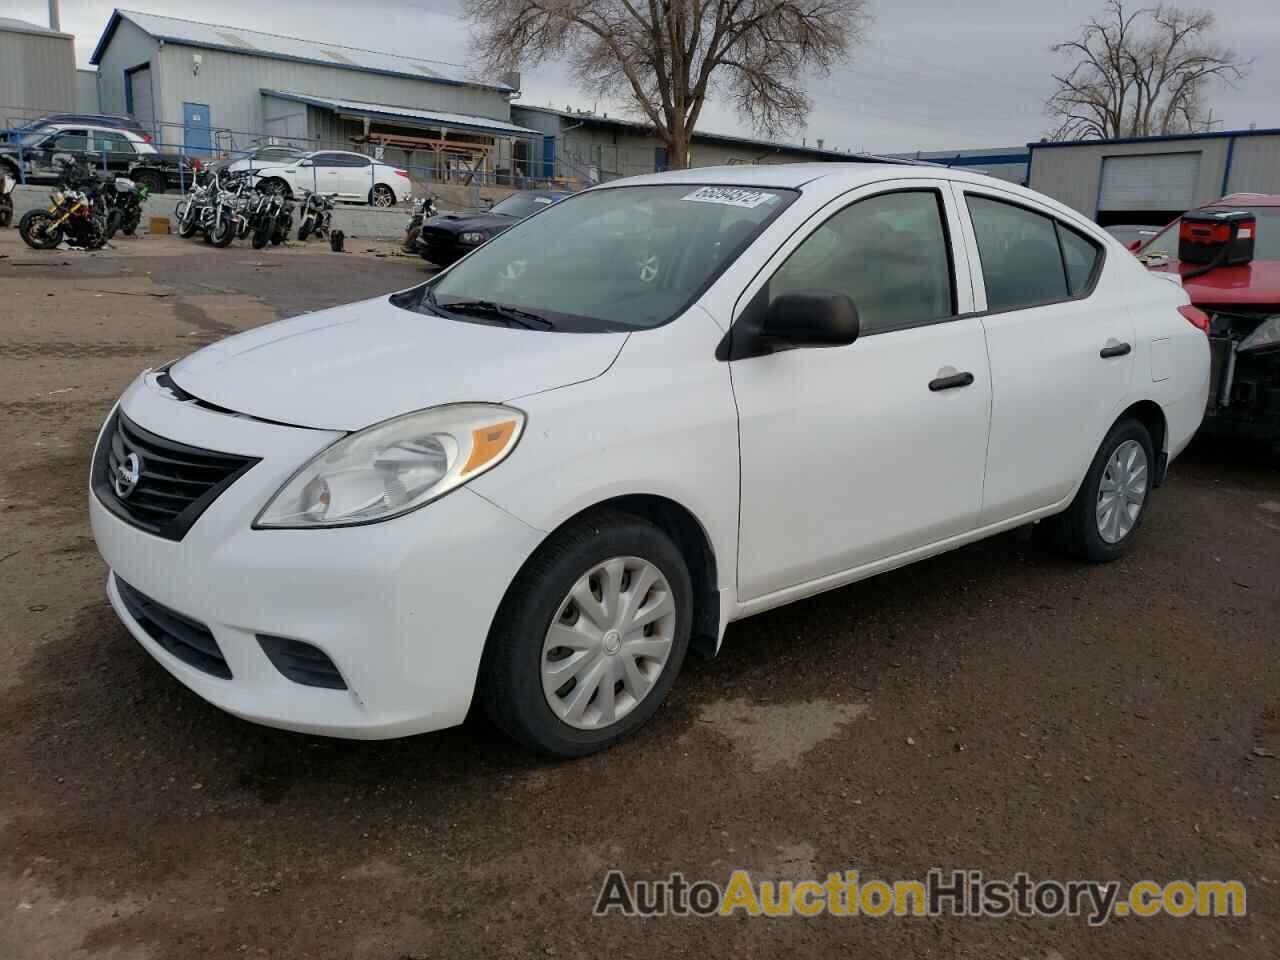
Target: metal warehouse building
<point>37,71</point>
<point>1154,179</point>
<point>211,88</point>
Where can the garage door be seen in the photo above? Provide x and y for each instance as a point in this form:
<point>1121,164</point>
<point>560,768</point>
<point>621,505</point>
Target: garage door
<point>1154,181</point>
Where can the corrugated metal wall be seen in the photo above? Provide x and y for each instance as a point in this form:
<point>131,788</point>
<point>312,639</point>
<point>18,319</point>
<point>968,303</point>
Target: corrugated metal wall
<point>37,74</point>
<point>1072,174</point>
<point>1255,165</point>
<point>231,84</point>
<point>129,48</point>
<point>87,92</point>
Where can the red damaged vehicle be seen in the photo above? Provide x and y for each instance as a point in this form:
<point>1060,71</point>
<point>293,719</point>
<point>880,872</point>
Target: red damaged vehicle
<point>1227,254</point>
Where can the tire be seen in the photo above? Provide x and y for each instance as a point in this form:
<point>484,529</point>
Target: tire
<point>520,644</point>
<point>115,219</point>
<point>223,232</point>
<point>1087,530</point>
<point>261,237</point>
<point>382,196</point>
<point>304,228</point>
<point>188,220</point>
<point>6,212</point>
<point>153,181</point>
<point>282,230</point>
<point>31,228</point>
<point>131,221</point>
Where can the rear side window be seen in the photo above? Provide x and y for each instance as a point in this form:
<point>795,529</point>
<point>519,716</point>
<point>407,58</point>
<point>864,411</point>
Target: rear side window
<point>887,253</point>
<point>1080,255</point>
<point>1021,261</point>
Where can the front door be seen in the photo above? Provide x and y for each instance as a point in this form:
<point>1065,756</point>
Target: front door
<point>1060,366</point>
<point>197,133</point>
<point>858,453</point>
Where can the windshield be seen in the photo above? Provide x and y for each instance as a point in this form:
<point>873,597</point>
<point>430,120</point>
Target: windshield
<point>521,206</point>
<point>1266,246</point>
<point>622,258</point>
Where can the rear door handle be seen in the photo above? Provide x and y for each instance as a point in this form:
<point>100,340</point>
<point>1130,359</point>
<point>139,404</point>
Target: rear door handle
<point>1114,349</point>
<point>951,382</point>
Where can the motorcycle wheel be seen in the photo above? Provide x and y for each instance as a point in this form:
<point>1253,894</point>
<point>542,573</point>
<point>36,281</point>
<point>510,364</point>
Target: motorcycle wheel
<point>223,232</point>
<point>6,212</point>
<point>131,221</point>
<point>34,228</point>
<point>261,237</point>
<point>115,219</point>
<point>187,222</point>
<point>304,228</point>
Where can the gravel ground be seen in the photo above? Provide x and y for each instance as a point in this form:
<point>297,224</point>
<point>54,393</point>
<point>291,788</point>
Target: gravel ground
<point>996,708</point>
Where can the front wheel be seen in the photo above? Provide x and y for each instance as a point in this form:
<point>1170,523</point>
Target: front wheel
<point>261,236</point>
<point>1103,519</point>
<point>304,228</point>
<point>223,232</point>
<point>590,636</point>
<point>37,230</point>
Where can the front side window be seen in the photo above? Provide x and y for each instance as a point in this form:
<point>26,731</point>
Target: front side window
<point>887,253</point>
<point>619,258</point>
<point>1029,259</point>
<point>73,140</point>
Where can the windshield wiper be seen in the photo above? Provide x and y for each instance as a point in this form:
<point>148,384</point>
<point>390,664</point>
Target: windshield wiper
<point>487,308</point>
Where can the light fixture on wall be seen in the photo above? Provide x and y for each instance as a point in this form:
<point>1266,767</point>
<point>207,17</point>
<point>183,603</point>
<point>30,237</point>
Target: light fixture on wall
<point>195,64</point>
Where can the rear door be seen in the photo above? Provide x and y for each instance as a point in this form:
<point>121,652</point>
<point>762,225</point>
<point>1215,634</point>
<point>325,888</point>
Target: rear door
<point>115,150</point>
<point>1061,356</point>
<point>325,175</point>
<point>357,176</point>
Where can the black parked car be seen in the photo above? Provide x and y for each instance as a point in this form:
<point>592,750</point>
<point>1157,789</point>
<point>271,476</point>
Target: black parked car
<point>452,236</point>
<point>38,155</point>
<point>90,119</point>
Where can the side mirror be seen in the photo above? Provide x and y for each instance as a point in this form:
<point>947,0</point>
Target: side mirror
<point>814,318</point>
<point>306,163</point>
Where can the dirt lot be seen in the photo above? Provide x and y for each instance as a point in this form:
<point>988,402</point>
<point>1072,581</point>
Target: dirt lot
<point>995,709</point>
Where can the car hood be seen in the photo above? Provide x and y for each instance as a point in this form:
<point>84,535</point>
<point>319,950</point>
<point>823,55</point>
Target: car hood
<point>460,223</point>
<point>1250,284</point>
<point>355,365</point>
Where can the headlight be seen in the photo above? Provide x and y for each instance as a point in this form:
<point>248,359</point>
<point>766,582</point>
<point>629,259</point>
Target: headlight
<point>395,466</point>
<point>1264,339</point>
<point>474,237</point>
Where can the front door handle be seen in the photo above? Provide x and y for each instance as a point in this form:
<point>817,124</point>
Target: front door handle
<point>951,382</point>
<point>1114,349</point>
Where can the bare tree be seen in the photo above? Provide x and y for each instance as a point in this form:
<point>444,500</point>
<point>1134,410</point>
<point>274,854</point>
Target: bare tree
<point>1139,71</point>
<point>668,56</point>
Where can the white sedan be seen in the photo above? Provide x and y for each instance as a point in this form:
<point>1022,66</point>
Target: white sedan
<point>350,176</point>
<point>654,408</point>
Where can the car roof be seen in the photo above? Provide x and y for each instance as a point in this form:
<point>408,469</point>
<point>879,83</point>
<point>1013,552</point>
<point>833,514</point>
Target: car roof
<point>1246,200</point>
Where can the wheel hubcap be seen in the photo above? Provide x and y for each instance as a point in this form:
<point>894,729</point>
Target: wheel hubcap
<point>1122,491</point>
<point>608,643</point>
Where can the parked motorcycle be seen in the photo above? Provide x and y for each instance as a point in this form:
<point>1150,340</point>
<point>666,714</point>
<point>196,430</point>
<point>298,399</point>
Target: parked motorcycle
<point>317,215</point>
<point>190,210</point>
<point>7,183</point>
<point>227,215</point>
<point>423,209</point>
<point>73,216</point>
<point>127,197</point>
<point>270,218</point>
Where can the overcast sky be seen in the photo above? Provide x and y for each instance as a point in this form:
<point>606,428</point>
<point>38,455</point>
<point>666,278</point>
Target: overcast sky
<point>932,75</point>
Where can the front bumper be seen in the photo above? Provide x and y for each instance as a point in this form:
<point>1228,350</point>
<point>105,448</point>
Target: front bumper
<point>402,608</point>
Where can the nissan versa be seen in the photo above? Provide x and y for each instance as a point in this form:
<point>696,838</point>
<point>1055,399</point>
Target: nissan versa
<point>651,409</point>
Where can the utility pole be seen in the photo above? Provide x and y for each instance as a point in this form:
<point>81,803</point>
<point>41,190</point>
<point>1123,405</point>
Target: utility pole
<point>55,22</point>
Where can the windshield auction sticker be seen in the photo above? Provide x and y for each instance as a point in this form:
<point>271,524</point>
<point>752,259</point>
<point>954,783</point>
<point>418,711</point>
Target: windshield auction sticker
<point>964,893</point>
<point>730,196</point>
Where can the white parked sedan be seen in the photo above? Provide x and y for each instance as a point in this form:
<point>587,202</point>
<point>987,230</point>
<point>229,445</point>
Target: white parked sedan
<point>651,409</point>
<point>350,176</point>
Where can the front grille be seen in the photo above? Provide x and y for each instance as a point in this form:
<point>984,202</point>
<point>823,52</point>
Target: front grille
<point>188,640</point>
<point>175,483</point>
<point>435,237</point>
<point>302,663</point>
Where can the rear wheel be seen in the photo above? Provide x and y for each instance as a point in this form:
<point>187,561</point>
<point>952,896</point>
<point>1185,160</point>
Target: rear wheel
<point>151,179</point>
<point>590,637</point>
<point>382,196</point>
<point>1103,519</point>
<point>37,230</point>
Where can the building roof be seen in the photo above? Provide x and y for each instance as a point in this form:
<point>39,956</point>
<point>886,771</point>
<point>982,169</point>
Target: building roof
<point>213,36</point>
<point>360,108</point>
<point>1160,138</point>
<point>750,142</point>
<point>13,25</point>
